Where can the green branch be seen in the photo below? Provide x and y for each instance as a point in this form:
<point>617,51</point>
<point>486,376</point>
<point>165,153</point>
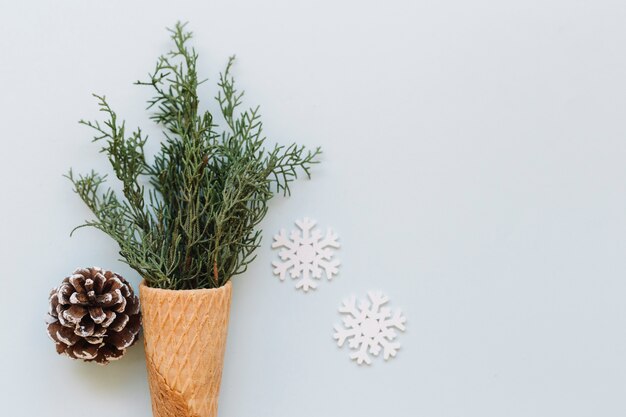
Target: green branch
<point>195,226</point>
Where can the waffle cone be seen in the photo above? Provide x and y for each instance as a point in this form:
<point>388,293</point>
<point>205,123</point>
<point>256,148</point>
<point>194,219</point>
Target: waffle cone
<point>185,338</point>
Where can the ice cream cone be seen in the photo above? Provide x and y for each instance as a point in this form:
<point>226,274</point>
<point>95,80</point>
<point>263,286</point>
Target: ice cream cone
<point>185,338</point>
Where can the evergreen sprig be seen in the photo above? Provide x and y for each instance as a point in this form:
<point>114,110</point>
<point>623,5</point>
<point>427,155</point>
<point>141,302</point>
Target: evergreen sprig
<point>189,218</point>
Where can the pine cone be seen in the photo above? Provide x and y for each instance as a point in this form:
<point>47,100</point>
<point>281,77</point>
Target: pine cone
<point>94,315</point>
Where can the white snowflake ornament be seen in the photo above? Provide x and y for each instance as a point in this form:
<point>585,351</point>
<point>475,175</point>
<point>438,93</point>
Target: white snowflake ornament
<point>306,253</point>
<point>369,328</point>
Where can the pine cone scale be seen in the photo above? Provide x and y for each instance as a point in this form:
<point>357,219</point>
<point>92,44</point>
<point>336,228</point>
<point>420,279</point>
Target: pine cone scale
<point>119,323</point>
<point>85,328</point>
<point>77,282</point>
<point>75,313</point>
<point>76,298</point>
<point>121,305</point>
<point>64,293</point>
<point>65,335</point>
<point>94,340</point>
<point>54,302</point>
<point>109,319</point>
<point>97,314</point>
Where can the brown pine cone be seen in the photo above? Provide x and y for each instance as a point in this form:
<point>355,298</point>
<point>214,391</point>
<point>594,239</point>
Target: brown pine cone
<point>94,315</point>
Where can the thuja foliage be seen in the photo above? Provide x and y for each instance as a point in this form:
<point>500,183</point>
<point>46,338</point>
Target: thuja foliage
<point>188,218</point>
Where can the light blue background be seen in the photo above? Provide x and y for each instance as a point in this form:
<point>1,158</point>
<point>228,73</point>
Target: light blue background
<point>474,167</point>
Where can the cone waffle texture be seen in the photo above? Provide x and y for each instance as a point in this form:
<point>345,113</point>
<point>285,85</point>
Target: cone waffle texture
<point>185,338</point>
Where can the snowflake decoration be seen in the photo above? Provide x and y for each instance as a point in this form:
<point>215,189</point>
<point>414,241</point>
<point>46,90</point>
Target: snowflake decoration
<point>369,328</point>
<point>305,254</point>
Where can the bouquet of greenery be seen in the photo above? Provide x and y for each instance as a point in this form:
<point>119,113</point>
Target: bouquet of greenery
<point>188,219</point>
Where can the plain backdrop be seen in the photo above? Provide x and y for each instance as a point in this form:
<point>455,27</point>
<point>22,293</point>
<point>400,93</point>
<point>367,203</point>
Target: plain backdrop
<point>474,167</point>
